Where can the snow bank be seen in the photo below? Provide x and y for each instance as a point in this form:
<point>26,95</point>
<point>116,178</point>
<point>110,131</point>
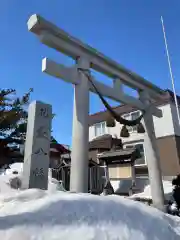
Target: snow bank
<point>54,215</point>
<point>15,167</point>
<point>5,188</point>
<point>124,185</point>
<point>36,214</point>
<point>146,194</point>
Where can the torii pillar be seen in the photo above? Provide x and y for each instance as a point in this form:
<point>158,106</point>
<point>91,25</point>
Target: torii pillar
<point>80,132</point>
<point>152,155</point>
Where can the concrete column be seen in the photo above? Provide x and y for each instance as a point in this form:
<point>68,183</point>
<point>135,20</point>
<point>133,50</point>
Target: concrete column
<point>152,156</point>
<point>37,146</point>
<point>80,133</point>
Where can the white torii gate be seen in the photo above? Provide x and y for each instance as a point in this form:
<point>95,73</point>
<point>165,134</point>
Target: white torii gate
<point>86,58</point>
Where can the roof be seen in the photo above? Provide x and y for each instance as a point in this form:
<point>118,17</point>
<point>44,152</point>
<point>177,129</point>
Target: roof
<point>105,141</point>
<point>54,148</point>
<point>119,156</point>
<point>122,152</point>
<point>59,148</point>
<point>124,108</point>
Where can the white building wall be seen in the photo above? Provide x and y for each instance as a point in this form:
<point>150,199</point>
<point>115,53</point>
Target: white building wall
<point>165,126</point>
<point>175,119</point>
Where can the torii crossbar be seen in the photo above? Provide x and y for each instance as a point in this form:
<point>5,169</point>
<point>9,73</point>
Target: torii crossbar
<point>86,58</point>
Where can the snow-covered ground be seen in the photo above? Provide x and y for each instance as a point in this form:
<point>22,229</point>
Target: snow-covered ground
<point>146,194</point>
<point>54,215</point>
<point>15,167</point>
<point>49,215</point>
<point>8,174</point>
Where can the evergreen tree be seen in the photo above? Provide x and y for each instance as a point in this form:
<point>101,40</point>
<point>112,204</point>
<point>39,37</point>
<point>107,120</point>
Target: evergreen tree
<point>13,118</point>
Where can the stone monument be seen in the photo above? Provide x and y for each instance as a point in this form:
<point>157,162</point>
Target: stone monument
<point>37,146</point>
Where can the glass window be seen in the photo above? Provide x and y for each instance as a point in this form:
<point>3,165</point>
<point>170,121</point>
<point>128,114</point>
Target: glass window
<point>103,128</point>
<point>127,116</point>
<point>100,129</point>
<point>132,116</point>
<point>141,160</point>
<point>140,147</point>
<point>135,115</point>
<point>97,129</point>
<point>129,146</point>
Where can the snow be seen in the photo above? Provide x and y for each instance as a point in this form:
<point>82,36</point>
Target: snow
<point>36,214</point>
<point>56,215</point>
<point>146,194</point>
<point>15,167</point>
<point>5,188</point>
<point>123,185</point>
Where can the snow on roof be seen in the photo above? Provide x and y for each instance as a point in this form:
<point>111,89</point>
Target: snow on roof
<point>36,214</point>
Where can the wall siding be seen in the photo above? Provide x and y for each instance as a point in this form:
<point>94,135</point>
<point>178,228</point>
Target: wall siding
<point>164,126</point>
<point>167,132</point>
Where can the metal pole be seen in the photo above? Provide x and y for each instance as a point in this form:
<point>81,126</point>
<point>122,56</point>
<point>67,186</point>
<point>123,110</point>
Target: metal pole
<point>170,70</point>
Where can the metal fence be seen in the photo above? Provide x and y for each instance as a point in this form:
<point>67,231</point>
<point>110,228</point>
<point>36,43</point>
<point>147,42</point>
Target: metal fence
<point>62,174</point>
<point>96,177</point>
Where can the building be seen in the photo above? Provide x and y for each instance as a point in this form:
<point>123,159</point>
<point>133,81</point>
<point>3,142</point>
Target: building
<point>16,154</point>
<point>167,132</point>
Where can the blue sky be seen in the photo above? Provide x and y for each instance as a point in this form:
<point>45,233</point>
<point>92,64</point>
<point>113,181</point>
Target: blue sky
<point>128,31</point>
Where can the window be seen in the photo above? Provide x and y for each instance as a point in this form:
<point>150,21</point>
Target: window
<point>100,129</point>
<point>140,147</point>
<point>132,116</point>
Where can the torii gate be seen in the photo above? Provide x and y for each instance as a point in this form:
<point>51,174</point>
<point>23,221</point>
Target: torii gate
<point>86,58</point>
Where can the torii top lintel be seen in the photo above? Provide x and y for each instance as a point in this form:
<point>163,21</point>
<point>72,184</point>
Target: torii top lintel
<point>74,48</point>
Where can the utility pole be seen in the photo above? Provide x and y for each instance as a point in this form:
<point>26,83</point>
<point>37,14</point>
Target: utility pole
<point>170,71</point>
